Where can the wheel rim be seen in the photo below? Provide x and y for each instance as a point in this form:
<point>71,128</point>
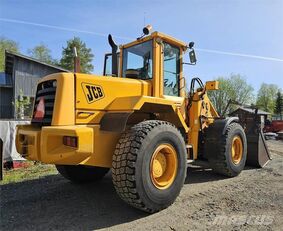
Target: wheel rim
<point>237,150</point>
<point>163,166</point>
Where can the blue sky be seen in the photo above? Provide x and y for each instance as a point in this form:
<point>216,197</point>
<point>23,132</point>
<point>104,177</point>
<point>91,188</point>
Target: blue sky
<point>252,27</point>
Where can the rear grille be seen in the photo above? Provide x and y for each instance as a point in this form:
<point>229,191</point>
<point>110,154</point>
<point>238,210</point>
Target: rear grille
<point>47,91</point>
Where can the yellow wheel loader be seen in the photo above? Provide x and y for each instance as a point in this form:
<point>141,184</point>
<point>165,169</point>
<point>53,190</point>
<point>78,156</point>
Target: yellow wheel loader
<point>136,120</point>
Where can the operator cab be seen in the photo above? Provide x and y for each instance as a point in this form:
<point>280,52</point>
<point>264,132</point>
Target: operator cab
<point>156,58</point>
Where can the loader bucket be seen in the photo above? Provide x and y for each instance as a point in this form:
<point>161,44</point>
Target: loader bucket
<point>257,153</point>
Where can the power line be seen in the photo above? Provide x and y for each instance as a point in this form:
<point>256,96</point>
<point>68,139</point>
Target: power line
<point>240,55</point>
<point>128,38</point>
<point>59,28</point>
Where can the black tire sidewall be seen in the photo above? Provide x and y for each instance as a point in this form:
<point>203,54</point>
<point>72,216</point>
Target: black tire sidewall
<point>150,194</point>
<point>236,131</point>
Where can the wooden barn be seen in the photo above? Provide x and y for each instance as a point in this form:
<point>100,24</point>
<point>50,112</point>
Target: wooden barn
<point>19,81</point>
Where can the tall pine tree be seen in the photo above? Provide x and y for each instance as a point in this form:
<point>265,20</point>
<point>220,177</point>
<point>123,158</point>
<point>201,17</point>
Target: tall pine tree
<point>84,53</point>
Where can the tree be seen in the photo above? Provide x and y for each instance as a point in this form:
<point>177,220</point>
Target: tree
<point>84,53</point>
<point>235,88</point>
<point>22,104</point>
<point>42,53</point>
<point>6,44</point>
<point>266,97</point>
<point>279,104</point>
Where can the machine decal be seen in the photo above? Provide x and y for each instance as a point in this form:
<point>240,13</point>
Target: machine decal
<point>92,92</point>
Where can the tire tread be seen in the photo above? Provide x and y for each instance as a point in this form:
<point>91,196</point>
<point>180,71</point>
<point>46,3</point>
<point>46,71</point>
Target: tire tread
<point>124,158</point>
<point>218,160</point>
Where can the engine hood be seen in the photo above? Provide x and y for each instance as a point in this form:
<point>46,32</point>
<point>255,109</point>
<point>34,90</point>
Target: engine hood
<point>98,92</point>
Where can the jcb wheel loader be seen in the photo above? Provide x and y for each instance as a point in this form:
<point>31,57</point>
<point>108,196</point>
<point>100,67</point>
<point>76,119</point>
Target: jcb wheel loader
<point>136,120</point>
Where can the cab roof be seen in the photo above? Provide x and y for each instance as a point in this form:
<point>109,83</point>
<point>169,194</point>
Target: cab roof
<point>155,35</point>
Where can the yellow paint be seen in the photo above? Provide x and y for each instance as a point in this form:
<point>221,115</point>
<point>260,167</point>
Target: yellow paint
<point>212,85</point>
<point>63,113</point>
<point>201,114</point>
<point>112,87</point>
<point>95,147</point>
<point>237,150</point>
<point>160,35</point>
<point>82,100</point>
<point>89,116</point>
<point>157,81</point>
<point>28,141</point>
<point>163,166</point>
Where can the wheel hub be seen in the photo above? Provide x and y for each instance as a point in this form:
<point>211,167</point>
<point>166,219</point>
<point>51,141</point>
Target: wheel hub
<point>163,166</point>
<point>237,150</point>
<point>159,165</point>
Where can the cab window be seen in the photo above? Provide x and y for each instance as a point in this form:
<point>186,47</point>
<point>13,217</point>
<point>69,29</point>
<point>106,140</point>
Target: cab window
<point>137,61</point>
<point>107,71</point>
<point>171,69</point>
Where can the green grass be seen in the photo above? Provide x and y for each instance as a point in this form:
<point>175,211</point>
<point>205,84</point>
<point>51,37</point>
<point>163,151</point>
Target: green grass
<point>30,172</point>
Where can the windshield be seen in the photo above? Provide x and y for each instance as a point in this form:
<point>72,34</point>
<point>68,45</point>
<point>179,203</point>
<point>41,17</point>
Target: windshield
<point>137,61</point>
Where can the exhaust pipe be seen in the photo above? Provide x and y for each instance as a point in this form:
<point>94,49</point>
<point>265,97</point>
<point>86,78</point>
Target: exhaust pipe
<point>114,56</point>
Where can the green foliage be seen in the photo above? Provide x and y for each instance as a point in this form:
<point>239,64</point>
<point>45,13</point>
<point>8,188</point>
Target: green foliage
<point>6,44</point>
<point>266,97</point>
<point>84,53</point>
<point>21,105</point>
<point>32,170</point>
<point>235,88</point>
<point>279,104</point>
<point>42,53</point>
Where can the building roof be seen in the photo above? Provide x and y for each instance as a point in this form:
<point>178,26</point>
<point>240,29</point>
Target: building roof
<point>250,110</point>
<point>35,60</point>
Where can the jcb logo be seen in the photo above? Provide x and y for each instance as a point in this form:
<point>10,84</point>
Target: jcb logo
<point>92,92</point>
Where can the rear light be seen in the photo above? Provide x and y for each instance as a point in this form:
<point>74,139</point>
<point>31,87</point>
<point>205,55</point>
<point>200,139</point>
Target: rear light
<point>40,110</point>
<point>71,141</point>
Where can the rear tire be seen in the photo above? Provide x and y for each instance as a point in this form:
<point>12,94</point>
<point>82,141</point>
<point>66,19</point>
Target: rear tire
<point>82,173</point>
<point>149,165</point>
<point>228,156</point>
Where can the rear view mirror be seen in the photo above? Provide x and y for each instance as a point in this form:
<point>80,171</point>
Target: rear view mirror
<point>193,58</point>
<point>192,54</point>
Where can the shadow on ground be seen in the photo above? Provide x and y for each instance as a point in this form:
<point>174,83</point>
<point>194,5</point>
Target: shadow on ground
<point>52,203</point>
<point>199,174</point>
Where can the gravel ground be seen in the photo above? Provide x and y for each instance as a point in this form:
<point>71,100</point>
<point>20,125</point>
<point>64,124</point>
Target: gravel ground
<point>251,201</point>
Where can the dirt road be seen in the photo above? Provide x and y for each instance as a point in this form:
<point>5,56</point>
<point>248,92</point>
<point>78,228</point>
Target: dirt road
<point>251,201</point>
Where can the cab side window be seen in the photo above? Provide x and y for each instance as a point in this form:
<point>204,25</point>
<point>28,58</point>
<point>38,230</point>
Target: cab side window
<point>171,69</point>
<point>107,70</point>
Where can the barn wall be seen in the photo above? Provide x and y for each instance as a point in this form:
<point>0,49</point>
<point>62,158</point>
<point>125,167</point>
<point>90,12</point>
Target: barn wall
<point>26,75</point>
<point>6,99</point>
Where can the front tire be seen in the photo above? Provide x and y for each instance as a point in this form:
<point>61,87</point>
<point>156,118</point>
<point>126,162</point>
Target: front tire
<point>82,173</point>
<point>149,165</point>
<point>228,156</point>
